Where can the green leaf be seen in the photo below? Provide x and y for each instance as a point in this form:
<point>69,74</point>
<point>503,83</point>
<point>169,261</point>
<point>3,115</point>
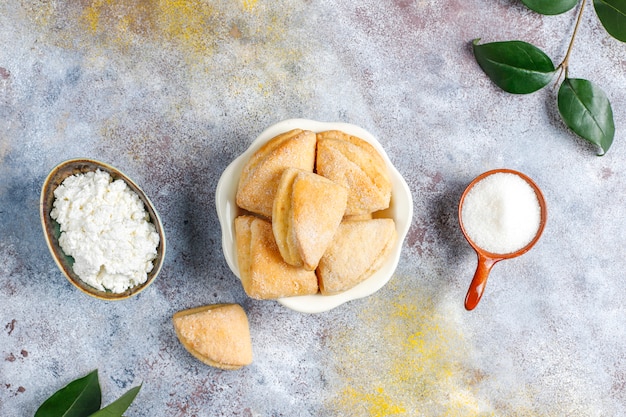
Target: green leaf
<point>79,398</point>
<point>612,14</point>
<point>515,66</point>
<point>587,111</point>
<point>117,407</point>
<point>550,7</point>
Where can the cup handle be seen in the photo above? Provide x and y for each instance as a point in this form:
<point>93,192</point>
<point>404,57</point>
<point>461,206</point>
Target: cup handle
<point>477,287</point>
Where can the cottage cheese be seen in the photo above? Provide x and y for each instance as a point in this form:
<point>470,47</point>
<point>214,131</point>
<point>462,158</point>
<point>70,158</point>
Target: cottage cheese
<point>106,229</point>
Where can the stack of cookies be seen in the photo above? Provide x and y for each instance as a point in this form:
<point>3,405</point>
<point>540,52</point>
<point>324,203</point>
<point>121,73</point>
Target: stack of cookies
<point>310,219</point>
<point>311,222</point>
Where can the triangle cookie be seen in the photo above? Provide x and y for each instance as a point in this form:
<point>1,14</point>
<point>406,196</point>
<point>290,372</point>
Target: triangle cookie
<point>356,165</point>
<point>264,273</point>
<point>218,335</point>
<point>358,250</point>
<point>261,174</point>
<point>307,211</point>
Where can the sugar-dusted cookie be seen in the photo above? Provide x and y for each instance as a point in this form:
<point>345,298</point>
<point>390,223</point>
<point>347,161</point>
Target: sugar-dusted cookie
<point>218,335</point>
<point>307,211</point>
<point>356,165</point>
<point>261,174</point>
<point>358,250</point>
<point>264,273</point>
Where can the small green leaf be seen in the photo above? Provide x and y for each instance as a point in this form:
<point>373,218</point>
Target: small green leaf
<point>587,111</point>
<point>612,14</point>
<point>117,407</point>
<point>515,66</point>
<point>550,7</point>
<point>79,398</point>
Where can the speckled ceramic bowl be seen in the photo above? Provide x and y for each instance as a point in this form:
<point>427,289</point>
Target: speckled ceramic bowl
<point>52,232</point>
<point>401,210</point>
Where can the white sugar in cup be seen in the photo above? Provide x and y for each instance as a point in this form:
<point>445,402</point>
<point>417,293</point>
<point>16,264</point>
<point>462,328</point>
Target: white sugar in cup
<point>502,214</point>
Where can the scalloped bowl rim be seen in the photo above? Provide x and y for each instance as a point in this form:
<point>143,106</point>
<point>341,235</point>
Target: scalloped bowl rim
<point>401,210</point>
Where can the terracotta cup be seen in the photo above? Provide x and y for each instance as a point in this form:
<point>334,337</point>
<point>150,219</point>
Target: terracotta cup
<point>486,259</point>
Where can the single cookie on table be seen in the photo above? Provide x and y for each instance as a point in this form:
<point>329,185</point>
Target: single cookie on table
<point>356,165</point>
<point>218,335</point>
<point>307,211</point>
<point>358,250</point>
<point>261,174</point>
<point>264,273</point>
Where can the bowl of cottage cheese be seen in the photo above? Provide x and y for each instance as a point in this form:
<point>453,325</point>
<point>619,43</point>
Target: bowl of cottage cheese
<point>102,230</point>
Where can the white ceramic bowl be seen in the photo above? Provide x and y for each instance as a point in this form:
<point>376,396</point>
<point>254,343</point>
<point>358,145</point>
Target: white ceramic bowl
<point>401,210</point>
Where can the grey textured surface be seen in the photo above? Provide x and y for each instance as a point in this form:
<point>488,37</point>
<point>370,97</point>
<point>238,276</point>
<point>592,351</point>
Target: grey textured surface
<point>171,91</point>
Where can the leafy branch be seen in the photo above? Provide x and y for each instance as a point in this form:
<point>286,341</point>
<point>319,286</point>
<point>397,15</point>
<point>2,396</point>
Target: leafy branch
<point>82,398</point>
<point>565,63</point>
<point>519,67</point>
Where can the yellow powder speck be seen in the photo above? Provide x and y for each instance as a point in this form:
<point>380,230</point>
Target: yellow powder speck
<point>403,357</point>
<point>183,23</point>
<point>195,47</point>
<point>92,15</point>
<point>190,22</point>
<point>40,13</point>
<point>248,5</point>
<point>190,31</point>
<point>375,404</point>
